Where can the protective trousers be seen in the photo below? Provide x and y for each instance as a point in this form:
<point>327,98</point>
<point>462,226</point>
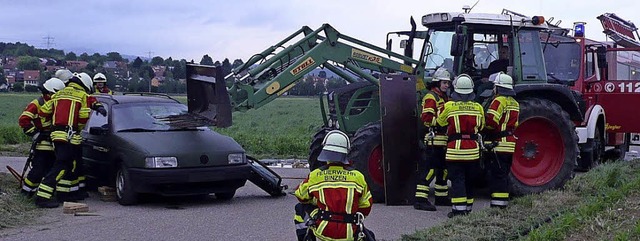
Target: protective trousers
<point>462,175</point>
<point>499,168</point>
<point>301,219</point>
<point>435,168</point>
<point>41,164</point>
<point>64,152</point>
<point>70,181</point>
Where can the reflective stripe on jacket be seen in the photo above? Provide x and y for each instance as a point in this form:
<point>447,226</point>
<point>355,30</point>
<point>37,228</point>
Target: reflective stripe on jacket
<point>462,118</point>
<point>432,104</point>
<point>502,116</point>
<point>336,189</point>
<point>30,116</point>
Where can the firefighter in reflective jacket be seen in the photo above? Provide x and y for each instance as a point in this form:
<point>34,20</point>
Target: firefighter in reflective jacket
<point>67,108</point>
<point>335,197</point>
<point>436,142</point>
<point>42,157</point>
<point>502,120</point>
<point>100,81</point>
<point>463,118</point>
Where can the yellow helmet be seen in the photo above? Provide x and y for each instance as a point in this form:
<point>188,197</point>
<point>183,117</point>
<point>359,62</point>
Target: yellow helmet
<point>99,78</point>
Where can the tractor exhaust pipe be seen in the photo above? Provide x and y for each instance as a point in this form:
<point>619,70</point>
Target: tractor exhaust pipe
<point>207,95</point>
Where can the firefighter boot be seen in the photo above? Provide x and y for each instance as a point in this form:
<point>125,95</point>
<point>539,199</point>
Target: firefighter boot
<point>426,206</point>
<point>454,213</point>
<point>46,203</point>
<point>443,201</point>
<point>27,194</point>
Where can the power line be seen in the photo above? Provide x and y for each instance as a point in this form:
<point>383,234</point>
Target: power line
<point>150,53</point>
<point>49,40</point>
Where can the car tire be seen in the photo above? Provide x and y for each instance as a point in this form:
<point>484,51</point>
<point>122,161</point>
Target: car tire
<point>124,189</point>
<point>225,195</point>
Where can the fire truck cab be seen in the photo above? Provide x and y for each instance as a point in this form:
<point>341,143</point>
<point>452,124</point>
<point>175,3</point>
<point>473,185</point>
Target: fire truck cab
<point>606,75</point>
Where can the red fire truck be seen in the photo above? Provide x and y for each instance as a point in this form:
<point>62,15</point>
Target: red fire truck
<point>606,74</point>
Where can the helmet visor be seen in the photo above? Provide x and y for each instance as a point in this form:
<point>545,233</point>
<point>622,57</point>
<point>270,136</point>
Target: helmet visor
<point>332,156</point>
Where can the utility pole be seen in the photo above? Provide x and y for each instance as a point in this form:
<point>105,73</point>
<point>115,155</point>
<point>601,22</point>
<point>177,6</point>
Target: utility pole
<point>49,40</point>
<point>150,53</point>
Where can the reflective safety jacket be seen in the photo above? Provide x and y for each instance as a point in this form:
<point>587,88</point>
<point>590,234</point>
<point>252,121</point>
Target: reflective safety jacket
<point>104,90</point>
<point>31,122</point>
<point>432,104</point>
<point>464,120</point>
<point>69,109</point>
<point>336,189</point>
<point>502,120</point>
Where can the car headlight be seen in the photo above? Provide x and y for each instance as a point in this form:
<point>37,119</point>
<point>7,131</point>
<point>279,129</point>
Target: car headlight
<point>237,158</point>
<point>161,162</point>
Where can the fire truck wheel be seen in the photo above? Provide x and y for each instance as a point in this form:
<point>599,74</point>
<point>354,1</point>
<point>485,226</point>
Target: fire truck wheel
<point>366,155</point>
<point>546,148</point>
<point>316,147</point>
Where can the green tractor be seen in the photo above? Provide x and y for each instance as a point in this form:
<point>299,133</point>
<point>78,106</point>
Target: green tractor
<point>380,106</point>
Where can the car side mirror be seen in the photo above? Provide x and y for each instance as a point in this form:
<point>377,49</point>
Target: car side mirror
<point>98,130</point>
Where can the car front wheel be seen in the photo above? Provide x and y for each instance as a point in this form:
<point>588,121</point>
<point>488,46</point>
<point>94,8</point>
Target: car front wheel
<point>124,189</point>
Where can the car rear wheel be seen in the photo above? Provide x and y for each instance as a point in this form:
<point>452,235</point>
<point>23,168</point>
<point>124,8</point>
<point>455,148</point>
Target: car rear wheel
<point>124,189</point>
<point>225,195</point>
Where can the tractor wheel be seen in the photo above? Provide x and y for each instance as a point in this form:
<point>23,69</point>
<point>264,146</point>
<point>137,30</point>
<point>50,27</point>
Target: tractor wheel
<point>316,147</point>
<point>546,148</point>
<point>366,155</point>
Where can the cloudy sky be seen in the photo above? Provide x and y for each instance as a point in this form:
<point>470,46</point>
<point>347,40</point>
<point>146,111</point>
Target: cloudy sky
<point>240,28</point>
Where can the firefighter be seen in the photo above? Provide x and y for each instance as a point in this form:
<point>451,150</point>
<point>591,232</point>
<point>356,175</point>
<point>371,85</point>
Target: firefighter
<point>100,87</point>
<point>335,197</point>
<point>463,118</point>
<point>436,142</point>
<point>66,108</point>
<point>502,120</point>
<point>42,155</point>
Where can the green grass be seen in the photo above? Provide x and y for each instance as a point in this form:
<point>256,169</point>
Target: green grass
<point>11,106</point>
<point>15,209</point>
<point>586,203</point>
<point>281,129</point>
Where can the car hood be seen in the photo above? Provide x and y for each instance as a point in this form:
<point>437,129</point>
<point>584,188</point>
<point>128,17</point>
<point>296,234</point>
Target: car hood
<point>192,148</point>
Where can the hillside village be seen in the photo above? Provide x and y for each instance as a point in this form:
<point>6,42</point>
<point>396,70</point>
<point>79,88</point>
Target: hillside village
<point>24,67</point>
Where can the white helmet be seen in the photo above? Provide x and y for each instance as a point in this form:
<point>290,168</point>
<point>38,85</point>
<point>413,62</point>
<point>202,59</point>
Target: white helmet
<point>53,85</point>
<point>463,84</point>
<point>441,74</point>
<point>335,147</point>
<point>503,80</point>
<point>99,78</point>
<point>84,79</point>
<point>64,75</point>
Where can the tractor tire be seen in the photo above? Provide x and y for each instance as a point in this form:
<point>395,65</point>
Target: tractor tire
<point>366,155</point>
<point>546,148</point>
<point>316,147</point>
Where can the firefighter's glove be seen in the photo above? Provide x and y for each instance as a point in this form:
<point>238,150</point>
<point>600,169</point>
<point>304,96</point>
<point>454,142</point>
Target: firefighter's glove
<point>30,130</point>
<point>100,109</point>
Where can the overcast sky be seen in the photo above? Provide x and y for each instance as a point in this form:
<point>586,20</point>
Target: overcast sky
<point>240,28</point>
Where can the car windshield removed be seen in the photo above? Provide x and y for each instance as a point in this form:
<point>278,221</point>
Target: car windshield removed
<point>147,117</point>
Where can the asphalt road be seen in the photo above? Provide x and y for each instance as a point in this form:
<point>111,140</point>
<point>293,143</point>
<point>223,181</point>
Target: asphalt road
<point>251,215</point>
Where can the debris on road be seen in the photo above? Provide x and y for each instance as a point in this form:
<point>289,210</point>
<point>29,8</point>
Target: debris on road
<point>73,207</point>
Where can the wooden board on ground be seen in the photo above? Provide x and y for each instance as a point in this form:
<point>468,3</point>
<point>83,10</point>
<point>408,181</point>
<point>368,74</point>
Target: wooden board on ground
<point>73,207</point>
<point>107,194</point>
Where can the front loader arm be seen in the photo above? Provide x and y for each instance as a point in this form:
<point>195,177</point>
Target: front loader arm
<point>279,71</point>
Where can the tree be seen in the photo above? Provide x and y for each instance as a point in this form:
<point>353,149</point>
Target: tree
<point>114,56</point>
<point>157,61</point>
<point>322,74</point>
<point>18,87</point>
<point>236,63</point>
<point>31,88</point>
<point>136,63</point>
<point>28,63</point>
<point>3,79</point>
<point>206,60</point>
<point>85,57</point>
<point>71,56</point>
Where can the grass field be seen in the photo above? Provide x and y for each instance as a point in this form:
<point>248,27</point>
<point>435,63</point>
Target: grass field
<point>281,129</point>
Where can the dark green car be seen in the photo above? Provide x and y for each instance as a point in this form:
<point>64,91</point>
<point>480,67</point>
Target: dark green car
<point>136,150</point>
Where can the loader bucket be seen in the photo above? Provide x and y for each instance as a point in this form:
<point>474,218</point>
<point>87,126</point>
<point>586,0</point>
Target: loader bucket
<point>207,95</point>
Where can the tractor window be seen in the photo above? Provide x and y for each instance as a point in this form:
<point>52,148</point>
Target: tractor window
<point>562,61</point>
<point>439,49</point>
<point>531,56</point>
<point>485,50</point>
